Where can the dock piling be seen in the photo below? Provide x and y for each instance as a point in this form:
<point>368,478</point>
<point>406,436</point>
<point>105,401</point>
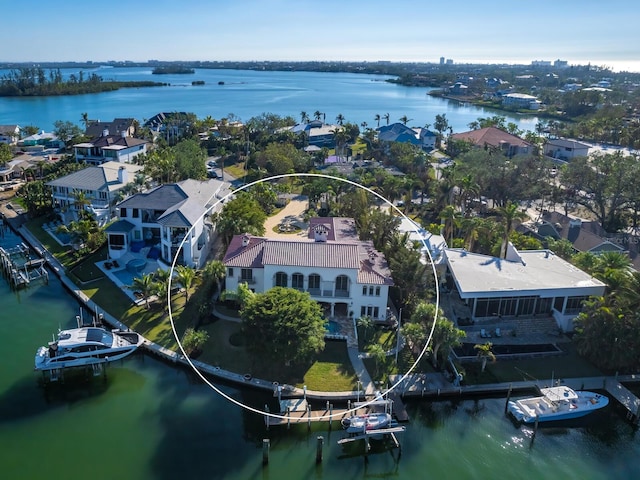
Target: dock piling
<point>319,445</point>
<point>506,404</point>
<point>265,451</point>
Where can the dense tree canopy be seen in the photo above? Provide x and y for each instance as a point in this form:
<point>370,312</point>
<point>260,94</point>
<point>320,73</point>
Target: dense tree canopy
<point>283,325</point>
<point>243,214</point>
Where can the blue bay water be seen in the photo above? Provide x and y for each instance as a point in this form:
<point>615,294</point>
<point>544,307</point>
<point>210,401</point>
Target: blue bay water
<point>246,94</point>
<point>150,420</point>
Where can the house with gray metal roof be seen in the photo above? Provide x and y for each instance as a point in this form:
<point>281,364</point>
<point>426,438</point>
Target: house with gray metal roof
<point>348,276</point>
<point>167,222</point>
<point>108,147</point>
<point>400,133</point>
<point>101,186</point>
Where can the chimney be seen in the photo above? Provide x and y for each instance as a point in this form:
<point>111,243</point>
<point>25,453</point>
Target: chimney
<point>105,132</point>
<point>245,240</point>
<point>320,233</point>
<point>123,175</point>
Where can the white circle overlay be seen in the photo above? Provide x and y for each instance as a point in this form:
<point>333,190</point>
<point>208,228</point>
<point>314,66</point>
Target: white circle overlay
<point>329,416</point>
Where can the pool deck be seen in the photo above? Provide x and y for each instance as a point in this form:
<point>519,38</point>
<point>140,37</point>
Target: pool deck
<point>150,267</point>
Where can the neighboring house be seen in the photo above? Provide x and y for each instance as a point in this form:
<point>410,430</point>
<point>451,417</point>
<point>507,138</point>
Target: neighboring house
<point>564,149</point>
<point>101,186</point>
<point>9,134</point>
<point>521,101</point>
<point>318,133</point>
<point>109,147</point>
<point>584,236</point>
<point>510,145</point>
<point>347,276</point>
<point>125,127</point>
<point>156,222</point>
<point>526,284</point>
<point>398,132</point>
<point>41,139</point>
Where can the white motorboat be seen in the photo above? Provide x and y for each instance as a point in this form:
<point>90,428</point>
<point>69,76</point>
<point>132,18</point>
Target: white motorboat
<point>364,423</point>
<point>84,346</point>
<point>556,403</point>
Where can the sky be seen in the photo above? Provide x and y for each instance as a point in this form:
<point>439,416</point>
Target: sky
<point>603,33</point>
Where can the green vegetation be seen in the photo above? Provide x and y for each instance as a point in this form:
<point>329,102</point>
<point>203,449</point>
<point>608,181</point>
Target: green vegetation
<point>35,81</point>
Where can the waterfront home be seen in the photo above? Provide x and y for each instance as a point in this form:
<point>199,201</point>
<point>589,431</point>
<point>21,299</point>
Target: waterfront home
<point>156,222</point>
<point>398,132</point>
<point>9,134</point>
<point>347,276</point>
<point>500,140</point>
<point>109,147</point>
<point>565,149</point>
<point>100,185</point>
<point>125,127</point>
<point>318,134</point>
<point>40,141</point>
<point>534,284</point>
<point>521,101</point>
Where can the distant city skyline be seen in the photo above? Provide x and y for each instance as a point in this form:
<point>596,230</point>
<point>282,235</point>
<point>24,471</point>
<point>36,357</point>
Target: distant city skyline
<point>577,31</point>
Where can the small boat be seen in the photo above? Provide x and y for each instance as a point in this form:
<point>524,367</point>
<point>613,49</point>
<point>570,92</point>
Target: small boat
<point>84,346</point>
<point>556,403</point>
<point>363,423</point>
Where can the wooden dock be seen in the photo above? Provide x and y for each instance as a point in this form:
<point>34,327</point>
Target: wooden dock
<point>19,268</point>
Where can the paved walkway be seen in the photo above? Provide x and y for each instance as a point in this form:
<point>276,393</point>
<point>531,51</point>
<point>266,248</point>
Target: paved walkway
<point>368,386</point>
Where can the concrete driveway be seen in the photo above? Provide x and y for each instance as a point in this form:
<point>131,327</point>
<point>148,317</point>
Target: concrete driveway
<point>293,214</point>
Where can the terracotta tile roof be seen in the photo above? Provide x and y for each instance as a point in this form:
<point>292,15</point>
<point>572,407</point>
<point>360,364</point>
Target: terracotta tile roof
<point>490,136</point>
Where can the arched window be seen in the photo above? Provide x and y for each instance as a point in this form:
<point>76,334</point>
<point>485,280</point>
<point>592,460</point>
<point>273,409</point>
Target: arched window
<point>281,279</point>
<point>297,281</point>
<point>314,284</point>
<point>342,286</point>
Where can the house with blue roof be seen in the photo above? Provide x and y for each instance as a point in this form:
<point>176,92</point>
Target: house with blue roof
<point>398,132</point>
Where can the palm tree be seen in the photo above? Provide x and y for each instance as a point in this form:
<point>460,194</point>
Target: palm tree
<point>162,279</point>
<point>85,119</point>
<point>451,217</point>
<point>304,118</point>
<point>509,213</point>
<point>404,119</point>
<point>214,271</point>
<point>485,353</point>
<point>80,202</point>
<point>386,117</point>
<point>364,126</point>
<point>377,119</point>
<point>340,119</point>
<point>317,114</point>
<point>377,352</point>
<point>145,285</point>
<point>366,324</point>
<point>185,276</point>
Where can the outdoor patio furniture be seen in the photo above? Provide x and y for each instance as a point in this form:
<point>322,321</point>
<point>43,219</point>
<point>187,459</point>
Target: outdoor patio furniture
<point>116,264</point>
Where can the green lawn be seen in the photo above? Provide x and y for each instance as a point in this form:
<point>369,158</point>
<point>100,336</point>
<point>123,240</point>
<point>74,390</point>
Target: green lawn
<point>332,371</point>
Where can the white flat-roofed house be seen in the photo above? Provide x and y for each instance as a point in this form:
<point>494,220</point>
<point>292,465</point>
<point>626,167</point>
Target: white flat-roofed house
<point>525,284</point>
<point>344,274</point>
<point>565,149</point>
<point>521,100</point>
<point>156,222</point>
<point>100,186</point>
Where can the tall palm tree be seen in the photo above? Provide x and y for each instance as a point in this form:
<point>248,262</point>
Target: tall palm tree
<point>377,119</point>
<point>451,217</point>
<point>386,117</point>
<point>404,119</point>
<point>340,119</point>
<point>145,285</point>
<point>510,213</point>
<point>85,119</point>
<point>485,353</point>
<point>185,276</point>
<point>317,114</point>
<point>214,271</point>
<point>304,118</point>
